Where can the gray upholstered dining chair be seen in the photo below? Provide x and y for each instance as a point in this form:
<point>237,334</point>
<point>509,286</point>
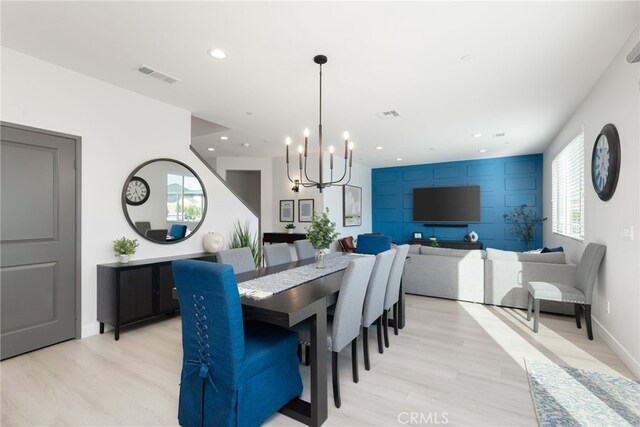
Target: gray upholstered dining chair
<point>392,295</point>
<point>374,301</point>
<point>276,254</point>
<point>344,327</point>
<point>304,249</point>
<point>579,293</point>
<point>240,259</point>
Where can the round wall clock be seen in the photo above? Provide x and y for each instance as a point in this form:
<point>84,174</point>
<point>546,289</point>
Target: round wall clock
<point>138,191</point>
<point>605,162</point>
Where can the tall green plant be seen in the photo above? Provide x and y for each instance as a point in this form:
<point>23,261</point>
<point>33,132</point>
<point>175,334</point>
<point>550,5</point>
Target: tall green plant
<point>523,222</point>
<point>241,237</point>
<point>322,232</point>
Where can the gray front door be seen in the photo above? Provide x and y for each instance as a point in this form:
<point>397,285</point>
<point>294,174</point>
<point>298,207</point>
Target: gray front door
<point>37,240</point>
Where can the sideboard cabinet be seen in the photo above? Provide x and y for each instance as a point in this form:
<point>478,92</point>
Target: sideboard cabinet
<point>139,290</point>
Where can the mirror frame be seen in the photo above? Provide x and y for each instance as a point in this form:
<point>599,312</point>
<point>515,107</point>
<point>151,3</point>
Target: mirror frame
<point>123,199</point>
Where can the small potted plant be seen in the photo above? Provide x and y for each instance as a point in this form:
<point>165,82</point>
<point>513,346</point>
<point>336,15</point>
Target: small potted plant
<point>290,228</point>
<point>124,248</point>
<point>321,233</point>
<point>523,222</point>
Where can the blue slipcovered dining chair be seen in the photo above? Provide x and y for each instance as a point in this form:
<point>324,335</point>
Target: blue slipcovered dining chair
<point>178,231</point>
<point>233,373</point>
<point>373,244</point>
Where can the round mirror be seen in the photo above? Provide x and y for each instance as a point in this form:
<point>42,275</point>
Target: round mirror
<point>164,201</point>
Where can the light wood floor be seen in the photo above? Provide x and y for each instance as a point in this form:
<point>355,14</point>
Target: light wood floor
<point>456,360</point>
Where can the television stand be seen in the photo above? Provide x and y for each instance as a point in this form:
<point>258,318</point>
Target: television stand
<point>450,244</point>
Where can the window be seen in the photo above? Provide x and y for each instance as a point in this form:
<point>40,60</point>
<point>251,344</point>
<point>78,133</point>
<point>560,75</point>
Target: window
<point>185,198</point>
<point>567,190</point>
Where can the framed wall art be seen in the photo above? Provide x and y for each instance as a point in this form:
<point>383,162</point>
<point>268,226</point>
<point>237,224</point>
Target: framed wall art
<point>351,205</point>
<point>305,210</point>
<point>286,211</point>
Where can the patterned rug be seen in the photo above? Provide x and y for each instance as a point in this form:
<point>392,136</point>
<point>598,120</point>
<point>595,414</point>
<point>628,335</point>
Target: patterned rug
<point>564,396</point>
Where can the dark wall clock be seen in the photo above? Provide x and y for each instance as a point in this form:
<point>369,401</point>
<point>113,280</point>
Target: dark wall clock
<point>605,162</point>
<point>137,192</point>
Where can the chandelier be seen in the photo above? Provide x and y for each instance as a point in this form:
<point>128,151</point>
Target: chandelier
<point>303,178</point>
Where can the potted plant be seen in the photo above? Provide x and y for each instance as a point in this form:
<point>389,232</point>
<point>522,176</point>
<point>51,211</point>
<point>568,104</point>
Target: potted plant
<point>241,237</point>
<point>290,228</point>
<point>124,248</point>
<point>523,222</point>
<point>321,233</point>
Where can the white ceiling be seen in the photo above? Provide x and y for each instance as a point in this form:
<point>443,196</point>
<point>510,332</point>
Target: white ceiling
<point>529,66</point>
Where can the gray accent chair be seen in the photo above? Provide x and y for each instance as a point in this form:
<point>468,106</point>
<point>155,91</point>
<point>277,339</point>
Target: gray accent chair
<point>392,294</point>
<point>344,327</point>
<point>276,254</point>
<point>157,234</point>
<point>304,249</point>
<point>240,259</point>
<point>374,301</point>
<point>143,226</point>
<point>579,293</point>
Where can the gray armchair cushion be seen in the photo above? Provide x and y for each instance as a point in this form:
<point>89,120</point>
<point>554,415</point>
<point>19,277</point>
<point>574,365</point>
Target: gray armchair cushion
<point>276,254</point>
<point>374,300</point>
<point>304,249</point>
<point>555,292</point>
<point>240,259</point>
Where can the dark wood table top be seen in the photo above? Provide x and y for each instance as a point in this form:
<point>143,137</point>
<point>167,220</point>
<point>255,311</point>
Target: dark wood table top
<point>290,307</point>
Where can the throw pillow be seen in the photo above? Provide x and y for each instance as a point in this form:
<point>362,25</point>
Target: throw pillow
<point>547,250</point>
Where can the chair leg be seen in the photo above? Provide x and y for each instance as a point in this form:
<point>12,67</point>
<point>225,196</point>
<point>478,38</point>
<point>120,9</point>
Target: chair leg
<point>536,314</point>
<point>529,306</point>
<point>336,380</point>
<point>395,319</point>
<point>379,332</point>
<point>577,309</point>
<point>365,348</point>
<point>307,355</point>
<point>587,320</point>
<point>354,359</point>
<point>385,325</point>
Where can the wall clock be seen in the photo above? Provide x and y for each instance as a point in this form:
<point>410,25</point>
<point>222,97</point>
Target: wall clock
<point>605,162</point>
<point>138,191</point>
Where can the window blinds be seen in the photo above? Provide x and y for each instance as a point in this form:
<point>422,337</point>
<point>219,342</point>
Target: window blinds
<point>567,194</point>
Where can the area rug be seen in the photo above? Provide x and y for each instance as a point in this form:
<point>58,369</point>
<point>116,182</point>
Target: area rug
<point>567,397</point>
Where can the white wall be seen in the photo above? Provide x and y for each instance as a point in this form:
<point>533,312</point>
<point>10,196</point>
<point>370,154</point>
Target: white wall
<point>120,130</point>
<point>614,99</point>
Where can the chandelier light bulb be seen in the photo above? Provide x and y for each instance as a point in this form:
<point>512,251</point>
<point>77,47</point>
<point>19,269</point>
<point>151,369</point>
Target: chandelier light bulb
<point>287,141</point>
<point>350,145</point>
<point>306,133</point>
<point>299,149</point>
<point>331,149</point>
<point>345,135</point>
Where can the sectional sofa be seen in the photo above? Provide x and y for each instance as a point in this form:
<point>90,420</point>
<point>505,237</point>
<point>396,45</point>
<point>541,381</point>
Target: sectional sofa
<point>491,277</point>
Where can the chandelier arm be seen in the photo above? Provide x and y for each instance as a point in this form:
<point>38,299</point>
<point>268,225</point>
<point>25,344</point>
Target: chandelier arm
<point>288,176</point>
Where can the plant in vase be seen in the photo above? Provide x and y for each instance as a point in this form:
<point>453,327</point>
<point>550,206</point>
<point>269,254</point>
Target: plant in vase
<point>241,237</point>
<point>523,222</point>
<point>124,248</point>
<point>290,227</point>
<point>321,233</point>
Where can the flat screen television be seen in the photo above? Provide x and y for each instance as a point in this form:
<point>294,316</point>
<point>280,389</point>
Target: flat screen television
<point>447,204</point>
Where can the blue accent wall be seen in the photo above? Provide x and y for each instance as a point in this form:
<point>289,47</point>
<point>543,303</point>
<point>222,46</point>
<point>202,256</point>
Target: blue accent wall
<point>505,183</point>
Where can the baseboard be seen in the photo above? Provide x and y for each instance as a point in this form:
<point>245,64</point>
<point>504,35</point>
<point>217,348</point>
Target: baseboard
<point>90,330</point>
<point>623,354</point>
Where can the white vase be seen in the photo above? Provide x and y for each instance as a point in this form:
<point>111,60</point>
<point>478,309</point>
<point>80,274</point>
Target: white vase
<point>473,236</point>
<point>124,259</point>
<point>213,242</point>
<point>290,230</point>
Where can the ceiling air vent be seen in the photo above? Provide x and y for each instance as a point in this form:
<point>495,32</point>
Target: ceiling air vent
<point>499,134</point>
<point>157,74</point>
<point>386,115</point>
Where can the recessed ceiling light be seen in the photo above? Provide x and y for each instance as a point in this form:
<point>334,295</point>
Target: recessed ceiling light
<point>249,113</point>
<point>465,57</point>
<point>476,135</point>
<point>432,148</point>
<point>211,149</point>
<point>224,138</point>
<point>399,159</point>
<point>378,148</point>
<point>217,53</point>
<point>482,150</point>
<point>245,144</point>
